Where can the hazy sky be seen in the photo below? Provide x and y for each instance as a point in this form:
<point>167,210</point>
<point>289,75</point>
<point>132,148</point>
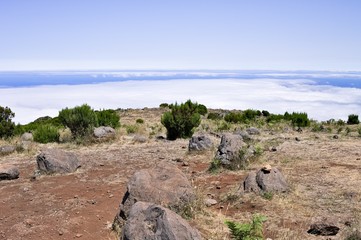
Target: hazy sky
<point>187,34</point>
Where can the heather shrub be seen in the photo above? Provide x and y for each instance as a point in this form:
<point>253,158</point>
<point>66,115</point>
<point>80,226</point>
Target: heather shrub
<point>46,133</point>
<point>234,117</point>
<point>181,120</point>
<point>139,121</point>
<point>6,124</point>
<point>109,118</point>
<point>214,116</point>
<point>80,120</point>
<point>352,119</point>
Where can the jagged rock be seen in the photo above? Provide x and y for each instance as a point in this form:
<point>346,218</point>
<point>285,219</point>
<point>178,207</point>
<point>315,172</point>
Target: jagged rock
<point>210,202</point>
<point>4,150</point>
<point>154,222</point>
<point>27,137</point>
<point>323,229</point>
<point>245,135</point>
<point>57,161</point>
<point>163,184</point>
<point>265,180</point>
<point>104,132</point>
<point>229,150</point>
<point>200,143</point>
<point>252,131</point>
<point>8,172</point>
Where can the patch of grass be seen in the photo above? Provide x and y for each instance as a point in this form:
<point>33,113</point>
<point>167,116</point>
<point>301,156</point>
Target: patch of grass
<point>131,128</point>
<point>247,231</point>
<point>215,166</point>
<point>267,195</point>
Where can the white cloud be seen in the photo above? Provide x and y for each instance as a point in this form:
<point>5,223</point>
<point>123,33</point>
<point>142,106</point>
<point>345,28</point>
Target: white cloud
<point>278,96</point>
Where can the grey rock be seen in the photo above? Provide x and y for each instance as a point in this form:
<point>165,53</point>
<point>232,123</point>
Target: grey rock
<point>104,132</point>
<point>57,161</point>
<point>27,137</point>
<point>200,143</point>
<point>245,135</point>
<point>163,184</point>
<point>140,138</point>
<point>228,150</point>
<point>4,150</point>
<point>253,131</point>
<point>210,202</point>
<point>8,172</point>
<point>265,181</point>
<point>323,229</point>
<point>154,222</point>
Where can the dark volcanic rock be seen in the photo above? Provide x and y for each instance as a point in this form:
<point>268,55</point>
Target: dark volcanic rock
<point>228,150</point>
<point>4,150</point>
<point>323,229</point>
<point>8,172</point>
<point>154,222</point>
<point>200,143</point>
<point>57,161</point>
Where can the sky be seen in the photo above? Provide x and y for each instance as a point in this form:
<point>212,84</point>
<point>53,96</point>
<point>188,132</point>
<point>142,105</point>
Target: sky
<point>187,34</point>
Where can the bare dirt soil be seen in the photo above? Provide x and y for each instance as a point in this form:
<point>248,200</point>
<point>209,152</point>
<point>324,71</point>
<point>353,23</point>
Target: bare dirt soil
<point>324,174</point>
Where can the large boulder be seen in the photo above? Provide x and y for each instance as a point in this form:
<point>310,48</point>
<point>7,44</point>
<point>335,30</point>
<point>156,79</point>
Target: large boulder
<point>267,179</point>
<point>104,132</point>
<point>163,184</point>
<point>4,150</point>
<point>200,143</point>
<point>229,150</point>
<point>154,222</point>
<point>57,161</point>
<point>8,172</point>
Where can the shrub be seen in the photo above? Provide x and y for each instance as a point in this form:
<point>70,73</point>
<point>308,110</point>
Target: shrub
<point>46,133</point>
<point>6,124</point>
<point>202,110</point>
<point>223,126</point>
<point>131,128</point>
<point>214,116</point>
<point>140,121</point>
<point>299,119</point>
<point>80,120</point>
<point>251,114</point>
<point>181,120</point>
<point>164,105</point>
<point>109,118</point>
<point>234,117</point>
<point>265,113</point>
<point>273,118</point>
<point>353,119</point>
<point>247,231</point>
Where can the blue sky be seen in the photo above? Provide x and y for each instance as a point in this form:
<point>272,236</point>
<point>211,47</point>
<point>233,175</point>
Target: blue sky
<point>187,34</point>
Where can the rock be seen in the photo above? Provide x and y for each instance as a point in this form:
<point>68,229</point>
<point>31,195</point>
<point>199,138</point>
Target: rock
<point>265,180</point>
<point>297,139</point>
<point>104,132</point>
<point>252,131</point>
<point>210,202</point>
<point>8,172</point>
<point>335,136</point>
<point>267,168</point>
<point>163,184</point>
<point>200,143</point>
<point>57,161</point>
<point>154,222</point>
<point>245,135</point>
<point>140,138</point>
<point>323,229</point>
<point>228,150</point>
<point>27,137</point>
<point>272,149</point>
<point>4,150</point>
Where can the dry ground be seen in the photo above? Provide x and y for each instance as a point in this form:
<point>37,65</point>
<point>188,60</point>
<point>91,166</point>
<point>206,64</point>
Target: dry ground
<point>324,175</point>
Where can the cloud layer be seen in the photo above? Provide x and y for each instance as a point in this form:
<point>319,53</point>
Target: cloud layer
<point>321,102</point>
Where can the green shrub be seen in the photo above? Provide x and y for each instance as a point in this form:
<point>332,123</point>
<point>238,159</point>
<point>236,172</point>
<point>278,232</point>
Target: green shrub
<point>181,120</point>
<point>247,231</point>
<point>234,117</point>
<point>340,122</point>
<point>46,133</point>
<point>359,131</point>
<point>223,126</point>
<point>164,105</point>
<point>32,126</point>
<point>202,110</point>
<point>109,118</point>
<point>273,118</point>
<point>265,113</point>
<point>140,121</point>
<point>353,119</point>
<point>7,126</point>
<point>299,119</point>
<point>251,114</point>
<point>214,116</point>
<point>131,128</point>
<point>80,120</point>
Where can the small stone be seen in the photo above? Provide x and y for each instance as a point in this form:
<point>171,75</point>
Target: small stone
<point>101,164</point>
<point>297,139</point>
<point>218,187</point>
<point>79,235</point>
<point>335,136</point>
<point>185,164</point>
<point>210,202</point>
<point>267,168</point>
<point>111,195</point>
<point>60,232</point>
<point>272,149</point>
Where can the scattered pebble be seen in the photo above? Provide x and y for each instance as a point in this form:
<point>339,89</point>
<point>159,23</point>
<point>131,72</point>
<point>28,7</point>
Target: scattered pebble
<point>79,235</point>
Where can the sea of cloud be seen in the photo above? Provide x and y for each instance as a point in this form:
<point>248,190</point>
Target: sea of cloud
<point>321,102</point>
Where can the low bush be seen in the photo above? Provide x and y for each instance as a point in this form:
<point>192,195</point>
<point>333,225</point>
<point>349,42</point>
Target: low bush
<point>247,231</point>
<point>181,120</point>
<point>109,118</point>
<point>164,105</point>
<point>140,121</point>
<point>81,120</point>
<point>353,119</point>
<point>7,126</point>
<point>298,119</point>
<point>214,116</point>
<point>46,133</point>
<point>234,117</point>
